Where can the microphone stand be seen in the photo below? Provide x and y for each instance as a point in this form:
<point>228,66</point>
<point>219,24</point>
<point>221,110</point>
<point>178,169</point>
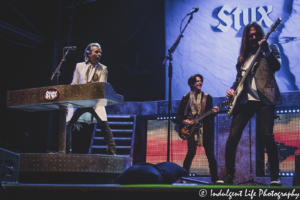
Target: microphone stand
<point>57,72</point>
<point>170,71</point>
<point>63,111</point>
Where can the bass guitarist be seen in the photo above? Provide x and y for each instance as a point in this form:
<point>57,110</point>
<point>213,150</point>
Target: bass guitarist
<point>260,95</point>
<point>193,104</point>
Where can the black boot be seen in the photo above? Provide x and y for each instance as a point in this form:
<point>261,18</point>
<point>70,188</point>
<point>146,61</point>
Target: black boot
<point>226,180</point>
<point>111,151</point>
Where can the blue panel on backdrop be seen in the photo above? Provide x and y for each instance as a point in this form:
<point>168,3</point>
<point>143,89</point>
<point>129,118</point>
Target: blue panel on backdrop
<point>211,41</point>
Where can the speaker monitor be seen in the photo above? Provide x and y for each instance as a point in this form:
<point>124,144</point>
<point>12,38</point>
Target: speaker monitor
<point>9,166</point>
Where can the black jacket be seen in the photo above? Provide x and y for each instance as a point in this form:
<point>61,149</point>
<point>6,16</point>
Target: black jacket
<point>264,70</point>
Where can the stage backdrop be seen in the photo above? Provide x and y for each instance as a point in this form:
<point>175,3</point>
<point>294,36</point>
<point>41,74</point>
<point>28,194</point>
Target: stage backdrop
<point>211,41</point>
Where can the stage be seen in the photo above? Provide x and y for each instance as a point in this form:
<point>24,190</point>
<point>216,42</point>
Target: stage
<point>114,191</point>
<point>149,64</point>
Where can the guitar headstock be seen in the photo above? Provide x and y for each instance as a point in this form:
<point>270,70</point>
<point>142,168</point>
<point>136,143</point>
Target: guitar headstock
<point>274,26</point>
<point>224,103</point>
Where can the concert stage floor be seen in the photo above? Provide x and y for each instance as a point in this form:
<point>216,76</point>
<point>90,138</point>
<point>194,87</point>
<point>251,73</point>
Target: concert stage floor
<point>15,191</point>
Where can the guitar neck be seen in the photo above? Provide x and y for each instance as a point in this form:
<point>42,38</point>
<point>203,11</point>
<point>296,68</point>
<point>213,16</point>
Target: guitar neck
<point>203,116</point>
<point>210,111</point>
<point>251,65</point>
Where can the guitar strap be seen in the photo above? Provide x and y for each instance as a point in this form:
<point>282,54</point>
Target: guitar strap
<point>203,104</point>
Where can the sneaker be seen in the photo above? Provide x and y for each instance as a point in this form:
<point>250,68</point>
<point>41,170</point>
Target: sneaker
<point>275,181</point>
<point>227,180</point>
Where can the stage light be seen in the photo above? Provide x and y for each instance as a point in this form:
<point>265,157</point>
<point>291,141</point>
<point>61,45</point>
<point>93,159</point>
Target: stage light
<point>292,174</point>
<point>285,111</point>
<point>294,111</point>
<point>283,174</point>
<point>290,111</point>
<point>277,111</point>
<point>287,174</point>
<point>281,111</point>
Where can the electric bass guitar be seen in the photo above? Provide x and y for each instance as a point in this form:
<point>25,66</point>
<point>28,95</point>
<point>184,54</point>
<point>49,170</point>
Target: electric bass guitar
<point>236,98</point>
<point>184,132</point>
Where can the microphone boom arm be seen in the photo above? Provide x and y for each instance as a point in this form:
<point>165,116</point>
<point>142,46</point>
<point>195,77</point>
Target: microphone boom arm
<point>56,72</point>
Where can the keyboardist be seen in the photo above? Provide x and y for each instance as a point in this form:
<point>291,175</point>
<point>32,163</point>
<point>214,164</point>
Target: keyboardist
<point>92,71</point>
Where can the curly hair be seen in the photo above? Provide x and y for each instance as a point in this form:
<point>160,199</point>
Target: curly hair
<point>192,80</point>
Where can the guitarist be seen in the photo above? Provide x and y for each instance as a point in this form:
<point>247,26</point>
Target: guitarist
<point>260,95</point>
<point>191,105</point>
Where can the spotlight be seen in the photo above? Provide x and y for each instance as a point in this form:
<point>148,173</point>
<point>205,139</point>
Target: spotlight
<point>287,174</point>
<point>281,111</point>
<point>277,111</point>
<point>294,111</point>
<point>292,174</point>
<point>290,111</point>
<point>283,174</point>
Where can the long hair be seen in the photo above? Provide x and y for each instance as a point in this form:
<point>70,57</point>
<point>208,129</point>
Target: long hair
<point>245,48</point>
<point>192,80</point>
<point>88,50</point>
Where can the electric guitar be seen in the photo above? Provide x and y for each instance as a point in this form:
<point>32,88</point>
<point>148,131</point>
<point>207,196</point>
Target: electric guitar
<point>185,131</point>
<point>236,98</point>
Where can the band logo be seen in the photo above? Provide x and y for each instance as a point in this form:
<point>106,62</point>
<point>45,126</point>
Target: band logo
<point>51,94</point>
<point>227,19</point>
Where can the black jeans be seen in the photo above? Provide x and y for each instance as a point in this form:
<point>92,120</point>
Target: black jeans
<point>209,151</point>
<point>244,113</point>
<point>105,129</point>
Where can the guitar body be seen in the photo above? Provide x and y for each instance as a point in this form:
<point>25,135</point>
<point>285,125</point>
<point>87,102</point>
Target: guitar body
<point>184,132</point>
<point>235,100</point>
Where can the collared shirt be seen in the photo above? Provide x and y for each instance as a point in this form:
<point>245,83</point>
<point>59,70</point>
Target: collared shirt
<point>91,72</point>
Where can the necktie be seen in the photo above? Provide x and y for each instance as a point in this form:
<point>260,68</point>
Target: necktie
<point>87,73</point>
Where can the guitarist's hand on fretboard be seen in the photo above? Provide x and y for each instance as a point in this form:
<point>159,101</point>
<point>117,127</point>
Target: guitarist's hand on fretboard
<point>264,45</point>
<point>229,93</point>
<point>215,109</point>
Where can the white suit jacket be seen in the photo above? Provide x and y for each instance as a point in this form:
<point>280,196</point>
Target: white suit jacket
<point>79,77</point>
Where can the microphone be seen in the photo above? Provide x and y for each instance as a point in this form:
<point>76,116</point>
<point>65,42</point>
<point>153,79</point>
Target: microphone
<point>195,9</point>
<point>70,48</point>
